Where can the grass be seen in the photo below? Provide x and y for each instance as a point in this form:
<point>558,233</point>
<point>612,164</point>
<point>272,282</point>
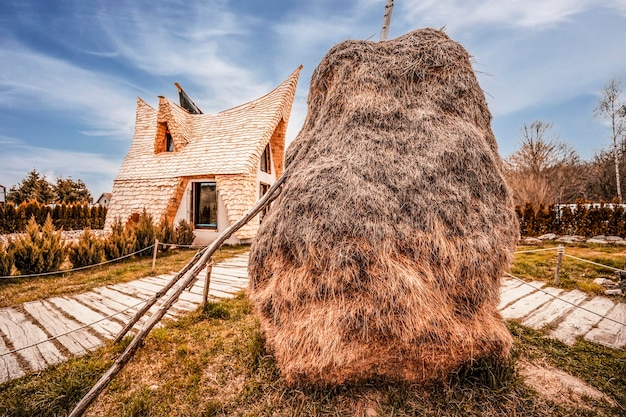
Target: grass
<point>21,290</point>
<point>212,362</point>
<point>574,274</point>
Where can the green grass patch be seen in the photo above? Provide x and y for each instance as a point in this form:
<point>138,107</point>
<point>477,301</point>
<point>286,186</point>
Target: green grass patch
<point>574,274</point>
<point>213,362</point>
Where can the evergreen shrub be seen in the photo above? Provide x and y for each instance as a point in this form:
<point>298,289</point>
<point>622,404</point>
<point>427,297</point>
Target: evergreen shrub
<point>89,250</point>
<point>7,259</point>
<point>165,234</point>
<point>184,234</point>
<point>120,242</point>
<point>145,233</point>
<point>41,249</point>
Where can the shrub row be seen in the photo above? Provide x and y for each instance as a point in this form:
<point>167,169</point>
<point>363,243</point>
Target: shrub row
<point>75,216</point>
<point>41,249</point>
<point>585,220</point>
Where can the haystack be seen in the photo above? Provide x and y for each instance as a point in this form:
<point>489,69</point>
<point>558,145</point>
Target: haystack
<point>383,254</point>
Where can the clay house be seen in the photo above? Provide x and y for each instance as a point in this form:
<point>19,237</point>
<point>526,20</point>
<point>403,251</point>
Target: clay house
<point>208,169</point>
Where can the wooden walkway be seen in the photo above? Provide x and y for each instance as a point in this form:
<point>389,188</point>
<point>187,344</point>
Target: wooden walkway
<point>37,334</point>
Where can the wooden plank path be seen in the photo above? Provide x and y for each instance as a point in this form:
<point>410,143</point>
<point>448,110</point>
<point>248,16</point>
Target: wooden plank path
<point>37,334</point>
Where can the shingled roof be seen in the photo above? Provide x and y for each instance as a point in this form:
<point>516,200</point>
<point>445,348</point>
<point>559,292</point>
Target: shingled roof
<point>225,147</point>
<point>229,142</point>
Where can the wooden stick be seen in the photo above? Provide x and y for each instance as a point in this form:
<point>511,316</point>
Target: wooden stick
<point>207,283</point>
<point>154,253</point>
<point>384,32</point>
<point>559,259</point>
<point>90,397</point>
<point>149,303</point>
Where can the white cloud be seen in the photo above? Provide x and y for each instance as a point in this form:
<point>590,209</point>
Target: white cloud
<point>203,46</point>
<point>17,159</point>
<point>460,14</point>
<point>36,81</point>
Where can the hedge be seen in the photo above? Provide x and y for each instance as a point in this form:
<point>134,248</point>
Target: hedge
<point>64,216</point>
<point>585,219</point>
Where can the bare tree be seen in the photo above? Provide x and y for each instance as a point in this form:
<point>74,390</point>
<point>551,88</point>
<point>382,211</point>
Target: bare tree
<point>544,169</point>
<point>612,109</point>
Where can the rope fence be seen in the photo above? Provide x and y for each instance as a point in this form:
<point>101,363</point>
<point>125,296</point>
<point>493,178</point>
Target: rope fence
<point>189,246</point>
<point>43,274</point>
<point>563,300</point>
<point>73,330</point>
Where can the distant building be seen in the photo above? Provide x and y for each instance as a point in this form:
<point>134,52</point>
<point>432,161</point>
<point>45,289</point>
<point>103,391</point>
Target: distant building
<point>104,199</point>
<point>3,195</point>
<point>208,169</point>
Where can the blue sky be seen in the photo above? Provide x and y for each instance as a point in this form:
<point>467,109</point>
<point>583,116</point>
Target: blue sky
<point>71,70</point>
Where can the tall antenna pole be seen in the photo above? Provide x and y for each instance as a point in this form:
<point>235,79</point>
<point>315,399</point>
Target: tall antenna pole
<point>384,32</point>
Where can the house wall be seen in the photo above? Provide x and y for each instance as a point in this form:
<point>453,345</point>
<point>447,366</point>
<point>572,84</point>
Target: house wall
<point>185,211</point>
<point>232,195</point>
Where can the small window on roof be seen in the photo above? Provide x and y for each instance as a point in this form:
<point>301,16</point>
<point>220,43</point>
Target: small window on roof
<point>266,161</point>
<point>169,142</point>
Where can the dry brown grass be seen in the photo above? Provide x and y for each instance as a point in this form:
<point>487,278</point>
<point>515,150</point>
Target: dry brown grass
<point>383,253</point>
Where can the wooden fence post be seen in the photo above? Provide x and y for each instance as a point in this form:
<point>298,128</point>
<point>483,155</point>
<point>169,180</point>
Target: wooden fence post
<point>560,250</point>
<point>207,283</point>
<point>156,249</point>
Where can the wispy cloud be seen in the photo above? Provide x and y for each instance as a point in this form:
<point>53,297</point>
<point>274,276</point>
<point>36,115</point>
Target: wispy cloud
<point>204,45</point>
<point>459,14</point>
<point>17,159</point>
<point>33,80</point>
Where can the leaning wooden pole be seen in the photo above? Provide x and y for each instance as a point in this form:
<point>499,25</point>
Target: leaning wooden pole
<point>130,350</point>
<point>384,32</point>
<point>152,301</point>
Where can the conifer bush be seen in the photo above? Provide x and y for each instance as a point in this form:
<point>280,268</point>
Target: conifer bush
<point>89,250</point>
<point>7,259</point>
<point>41,249</point>
<point>184,234</point>
<point>120,242</point>
<point>165,234</point>
<point>145,233</point>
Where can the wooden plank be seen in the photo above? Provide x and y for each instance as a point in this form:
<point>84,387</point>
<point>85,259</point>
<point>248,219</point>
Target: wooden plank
<point>554,310</point>
<point>9,366</point>
<point>609,333</point>
<point>580,321</point>
<point>119,297</point>
<point>104,305</point>
<point>105,327</point>
<point>226,287</point>
<point>64,329</point>
<point>215,290</point>
<point>184,302</point>
<point>528,304</point>
<point>222,277</point>
<point>133,290</point>
<point>236,272</point>
<point>508,284</point>
<point>515,293</point>
<point>21,332</point>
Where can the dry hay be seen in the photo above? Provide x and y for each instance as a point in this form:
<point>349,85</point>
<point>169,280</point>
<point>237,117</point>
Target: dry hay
<point>383,254</point>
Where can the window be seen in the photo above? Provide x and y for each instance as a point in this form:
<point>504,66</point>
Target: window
<point>264,188</point>
<point>169,142</point>
<point>266,161</point>
<point>205,205</point>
